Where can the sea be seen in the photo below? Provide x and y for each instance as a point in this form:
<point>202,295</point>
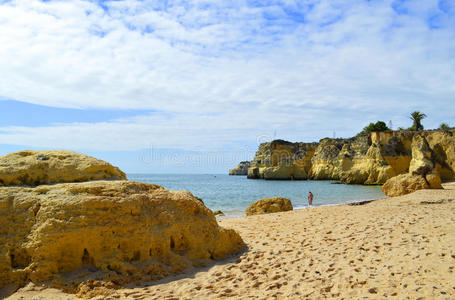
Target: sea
<point>233,194</point>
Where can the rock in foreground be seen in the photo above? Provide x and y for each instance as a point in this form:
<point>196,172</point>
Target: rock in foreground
<point>128,230</point>
<point>55,166</point>
<point>269,205</point>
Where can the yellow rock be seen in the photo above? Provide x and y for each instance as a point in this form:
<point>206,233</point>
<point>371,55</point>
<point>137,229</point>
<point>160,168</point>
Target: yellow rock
<point>241,169</point>
<point>404,184</point>
<point>253,172</point>
<point>129,230</point>
<point>57,166</point>
<point>434,181</point>
<point>421,154</point>
<point>282,160</point>
<point>284,172</point>
<point>354,161</point>
<point>358,160</point>
<point>269,205</point>
<point>442,144</point>
<point>325,163</point>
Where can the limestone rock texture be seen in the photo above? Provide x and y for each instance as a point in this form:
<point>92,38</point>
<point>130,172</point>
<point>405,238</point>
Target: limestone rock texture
<point>241,169</point>
<point>433,156</point>
<point>404,184</point>
<point>421,154</point>
<point>63,212</point>
<point>282,160</point>
<point>372,159</point>
<point>434,181</point>
<point>360,160</point>
<point>442,149</point>
<point>54,166</point>
<point>124,229</point>
<point>269,205</point>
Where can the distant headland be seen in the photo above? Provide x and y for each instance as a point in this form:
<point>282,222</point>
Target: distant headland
<point>365,159</point>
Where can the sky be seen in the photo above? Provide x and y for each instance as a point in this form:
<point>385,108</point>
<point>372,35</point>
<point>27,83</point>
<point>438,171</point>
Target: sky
<point>195,86</point>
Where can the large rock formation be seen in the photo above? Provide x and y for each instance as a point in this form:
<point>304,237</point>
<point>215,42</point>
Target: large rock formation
<point>44,167</point>
<point>269,205</point>
<point>282,160</point>
<point>404,184</point>
<point>361,160</point>
<point>426,166</point>
<point>421,154</point>
<point>241,169</point>
<point>435,149</point>
<point>123,230</point>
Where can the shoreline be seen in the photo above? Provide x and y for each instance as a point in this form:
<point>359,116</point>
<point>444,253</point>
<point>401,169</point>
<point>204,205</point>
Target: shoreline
<point>398,247</point>
<point>313,206</point>
<point>234,195</point>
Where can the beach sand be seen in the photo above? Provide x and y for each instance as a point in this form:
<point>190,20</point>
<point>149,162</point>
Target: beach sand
<point>402,248</point>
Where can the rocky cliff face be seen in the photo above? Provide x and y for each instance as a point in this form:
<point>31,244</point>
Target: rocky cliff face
<point>120,230</point>
<point>362,160</point>
<point>282,160</point>
<point>432,160</point>
<point>241,169</point>
<point>441,152</point>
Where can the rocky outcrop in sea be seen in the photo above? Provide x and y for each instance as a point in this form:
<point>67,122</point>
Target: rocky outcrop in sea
<point>241,169</point>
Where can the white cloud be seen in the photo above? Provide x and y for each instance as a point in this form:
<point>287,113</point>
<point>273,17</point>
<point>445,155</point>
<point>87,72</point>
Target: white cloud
<point>184,131</point>
<point>225,69</point>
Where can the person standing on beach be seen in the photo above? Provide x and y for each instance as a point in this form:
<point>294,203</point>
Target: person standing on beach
<point>310,198</point>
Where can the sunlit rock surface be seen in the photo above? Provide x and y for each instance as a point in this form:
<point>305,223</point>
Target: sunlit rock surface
<point>55,166</point>
<point>269,205</point>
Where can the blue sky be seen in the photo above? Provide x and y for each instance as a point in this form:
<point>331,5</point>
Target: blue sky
<point>201,83</point>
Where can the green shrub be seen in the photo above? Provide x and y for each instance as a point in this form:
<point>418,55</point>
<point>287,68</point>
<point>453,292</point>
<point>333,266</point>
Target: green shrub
<point>444,126</point>
<point>378,126</point>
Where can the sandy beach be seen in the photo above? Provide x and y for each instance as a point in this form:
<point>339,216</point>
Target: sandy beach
<point>401,247</point>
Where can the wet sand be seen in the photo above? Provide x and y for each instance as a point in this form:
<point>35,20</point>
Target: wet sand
<point>402,248</point>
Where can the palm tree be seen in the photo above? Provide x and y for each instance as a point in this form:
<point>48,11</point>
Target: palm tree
<point>416,117</point>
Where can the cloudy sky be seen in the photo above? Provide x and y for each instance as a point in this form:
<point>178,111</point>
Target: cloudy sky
<point>171,86</point>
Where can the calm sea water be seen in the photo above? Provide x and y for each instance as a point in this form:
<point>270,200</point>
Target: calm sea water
<point>233,194</point>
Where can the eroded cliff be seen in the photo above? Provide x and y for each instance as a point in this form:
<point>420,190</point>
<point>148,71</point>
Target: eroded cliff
<point>282,160</point>
<point>360,160</point>
<point>241,169</point>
